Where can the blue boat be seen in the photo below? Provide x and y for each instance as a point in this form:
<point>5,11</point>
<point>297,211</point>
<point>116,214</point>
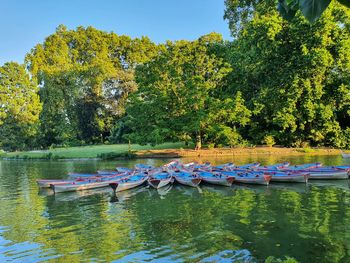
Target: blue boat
<point>187,178</point>
<point>128,183</point>
<point>216,178</point>
<point>160,179</point>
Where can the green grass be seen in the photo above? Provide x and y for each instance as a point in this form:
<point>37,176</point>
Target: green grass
<point>88,151</point>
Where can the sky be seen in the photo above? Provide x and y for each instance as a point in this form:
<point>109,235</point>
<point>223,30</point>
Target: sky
<point>25,23</point>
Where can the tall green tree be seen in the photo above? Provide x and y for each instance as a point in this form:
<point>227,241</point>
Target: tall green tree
<point>180,98</point>
<point>20,107</point>
<point>86,75</point>
<point>294,76</point>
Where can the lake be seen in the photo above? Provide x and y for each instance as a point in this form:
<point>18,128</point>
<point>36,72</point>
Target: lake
<point>243,223</point>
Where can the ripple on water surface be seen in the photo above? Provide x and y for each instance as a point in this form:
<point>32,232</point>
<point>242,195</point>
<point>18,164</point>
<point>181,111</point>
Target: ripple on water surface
<point>177,224</point>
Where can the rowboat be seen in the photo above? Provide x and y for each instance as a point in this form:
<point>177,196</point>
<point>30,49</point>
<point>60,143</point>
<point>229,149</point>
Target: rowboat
<point>272,167</point>
<point>345,155</point>
<point>161,179</point>
<point>248,166</point>
<point>45,183</point>
<point>276,176</point>
<point>173,165</point>
<point>187,178</point>
<point>107,172</point>
<point>251,178</point>
<point>81,175</point>
<point>216,178</point>
<point>328,173</point>
<point>290,177</point>
<point>223,166</point>
<point>301,167</point>
<point>245,167</point>
<point>128,183</point>
<point>123,170</point>
<point>143,167</point>
<point>83,185</point>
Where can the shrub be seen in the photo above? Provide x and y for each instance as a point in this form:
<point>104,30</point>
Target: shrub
<point>269,140</point>
<point>211,145</point>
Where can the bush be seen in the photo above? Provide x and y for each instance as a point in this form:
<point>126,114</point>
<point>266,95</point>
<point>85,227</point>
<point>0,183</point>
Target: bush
<point>269,140</point>
<point>211,145</point>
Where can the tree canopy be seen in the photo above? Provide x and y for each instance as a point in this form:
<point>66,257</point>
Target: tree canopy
<point>20,107</point>
<point>294,76</point>
<point>278,81</point>
<point>86,75</point>
<point>180,97</point>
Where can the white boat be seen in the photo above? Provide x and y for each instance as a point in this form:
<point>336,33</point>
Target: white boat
<point>160,180</point>
<point>194,182</point>
<point>345,155</point>
<point>46,183</point>
<point>331,174</point>
<point>83,185</point>
<point>216,178</point>
<point>290,177</point>
<point>249,178</point>
<point>129,183</point>
<point>187,178</point>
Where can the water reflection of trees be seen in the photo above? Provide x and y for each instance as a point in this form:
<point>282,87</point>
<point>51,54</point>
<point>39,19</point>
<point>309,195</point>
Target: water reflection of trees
<point>277,222</point>
<point>309,223</point>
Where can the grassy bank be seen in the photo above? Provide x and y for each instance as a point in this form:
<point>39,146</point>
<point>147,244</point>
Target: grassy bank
<point>166,150</point>
<point>94,151</point>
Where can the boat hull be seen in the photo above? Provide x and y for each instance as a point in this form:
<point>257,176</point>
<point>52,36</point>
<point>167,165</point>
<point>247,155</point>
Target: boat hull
<point>123,186</point>
<point>291,178</point>
<point>80,186</point>
<point>225,180</point>
<point>159,183</point>
<point>346,155</point>
<point>194,182</point>
<point>46,183</point>
<point>261,180</point>
<point>329,175</point>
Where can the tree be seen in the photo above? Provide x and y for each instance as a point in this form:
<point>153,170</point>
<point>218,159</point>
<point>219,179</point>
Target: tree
<point>86,75</point>
<point>20,107</point>
<point>179,96</point>
<point>293,76</point>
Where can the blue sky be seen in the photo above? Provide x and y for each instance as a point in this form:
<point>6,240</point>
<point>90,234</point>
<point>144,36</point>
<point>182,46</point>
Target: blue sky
<point>23,24</point>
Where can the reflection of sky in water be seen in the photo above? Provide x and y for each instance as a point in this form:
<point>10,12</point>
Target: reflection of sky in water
<point>179,224</point>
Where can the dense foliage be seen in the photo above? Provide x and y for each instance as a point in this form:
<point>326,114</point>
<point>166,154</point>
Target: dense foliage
<point>180,97</point>
<point>278,82</point>
<point>294,76</point>
<point>19,107</point>
<point>86,75</point>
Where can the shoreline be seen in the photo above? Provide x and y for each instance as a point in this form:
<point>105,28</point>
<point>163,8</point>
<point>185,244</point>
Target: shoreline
<point>188,153</point>
<point>217,152</point>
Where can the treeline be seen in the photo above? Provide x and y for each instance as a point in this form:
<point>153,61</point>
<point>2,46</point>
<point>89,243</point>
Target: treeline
<point>278,81</point>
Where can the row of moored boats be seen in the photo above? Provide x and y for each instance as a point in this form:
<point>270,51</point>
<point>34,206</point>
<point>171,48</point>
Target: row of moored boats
<point>193,174</point>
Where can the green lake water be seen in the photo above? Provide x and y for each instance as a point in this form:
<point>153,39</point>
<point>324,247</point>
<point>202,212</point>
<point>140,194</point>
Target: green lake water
<point>243,223</point>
